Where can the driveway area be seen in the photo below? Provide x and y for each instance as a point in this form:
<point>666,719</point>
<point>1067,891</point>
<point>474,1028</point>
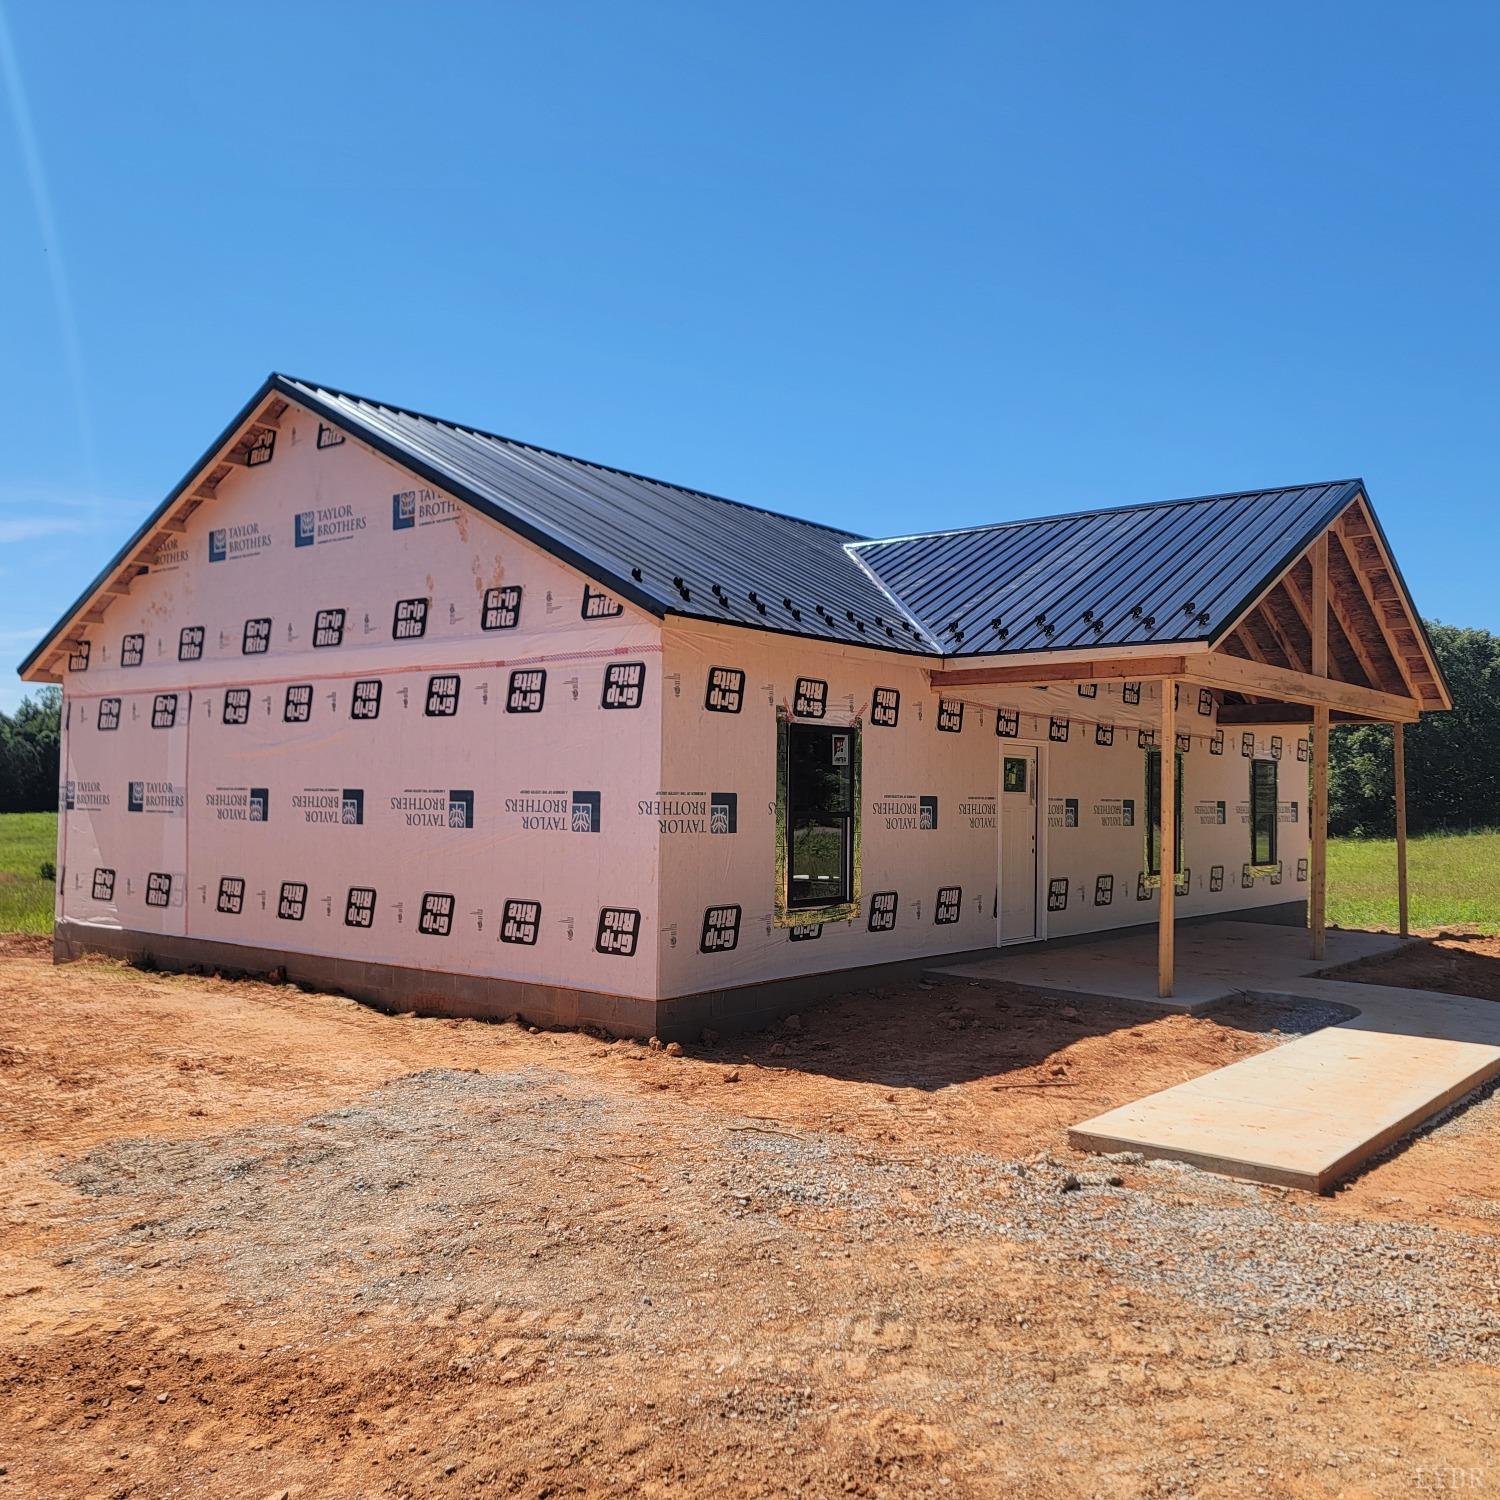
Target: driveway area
<point>260,1242</point>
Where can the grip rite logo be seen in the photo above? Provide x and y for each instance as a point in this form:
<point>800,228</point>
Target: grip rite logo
<point>520,921</point>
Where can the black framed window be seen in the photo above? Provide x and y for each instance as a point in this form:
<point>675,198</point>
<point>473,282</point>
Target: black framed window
<point>820,815</point>
<point>1153,811</point>
<point>1262,812</point>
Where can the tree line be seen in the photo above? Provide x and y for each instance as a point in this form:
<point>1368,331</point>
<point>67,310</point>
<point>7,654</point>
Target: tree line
<point>1452,759</point>
<point>29,742</point>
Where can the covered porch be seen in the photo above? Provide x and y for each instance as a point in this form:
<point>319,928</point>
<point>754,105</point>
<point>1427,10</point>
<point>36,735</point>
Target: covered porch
<point>1329,636</point>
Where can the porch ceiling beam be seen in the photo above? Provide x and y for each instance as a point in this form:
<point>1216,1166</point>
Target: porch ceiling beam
<point>1232,715</point>
<point>1216,669</point>
<point>1030,674</point>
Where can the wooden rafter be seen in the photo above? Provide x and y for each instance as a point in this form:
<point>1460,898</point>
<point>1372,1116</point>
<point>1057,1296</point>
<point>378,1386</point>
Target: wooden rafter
<point>1388,601</point>
<point>1289,648</point>
<point>1346,549</point>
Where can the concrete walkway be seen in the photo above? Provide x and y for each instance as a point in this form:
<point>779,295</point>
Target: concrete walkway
<point>1309,1112</point>
<point>1303,1114</point>
<point>1215,961</point>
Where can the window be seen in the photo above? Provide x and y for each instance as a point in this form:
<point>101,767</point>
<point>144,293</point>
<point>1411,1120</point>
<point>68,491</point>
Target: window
<point>1262,812</point>
<point>819,815</point>
<point>1153,812</point>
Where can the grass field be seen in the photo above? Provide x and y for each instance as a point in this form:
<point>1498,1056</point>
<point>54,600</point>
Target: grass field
<point>26,840</point>
<point>1455,878</point>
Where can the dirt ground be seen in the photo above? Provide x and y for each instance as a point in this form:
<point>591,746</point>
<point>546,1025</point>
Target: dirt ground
<point>1457,963</point>
<point>261,1242</point>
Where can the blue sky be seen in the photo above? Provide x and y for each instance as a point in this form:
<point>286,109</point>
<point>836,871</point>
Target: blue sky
<point>895,268</point>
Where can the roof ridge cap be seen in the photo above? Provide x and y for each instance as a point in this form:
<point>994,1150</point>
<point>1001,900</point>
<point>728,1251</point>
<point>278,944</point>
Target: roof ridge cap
<point>572,458</point>
<point>1110,510</point>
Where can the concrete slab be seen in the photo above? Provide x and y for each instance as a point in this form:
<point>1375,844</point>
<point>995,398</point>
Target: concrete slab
<point>1309,1112</point>
<point>1215,962</point>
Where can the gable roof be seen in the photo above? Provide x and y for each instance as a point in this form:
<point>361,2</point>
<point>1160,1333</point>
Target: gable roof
<point>1175,572</point>
<point>1169,572</point>
<point>665,547</point>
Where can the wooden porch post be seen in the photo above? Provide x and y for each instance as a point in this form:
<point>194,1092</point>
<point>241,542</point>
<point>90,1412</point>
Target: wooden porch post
<point>1166,933</point>
<point>1398,729</point>
<point>1318,801</point>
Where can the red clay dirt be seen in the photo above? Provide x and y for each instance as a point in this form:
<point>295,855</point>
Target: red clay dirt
<point>265,1242</point>
<point>1454,962</point>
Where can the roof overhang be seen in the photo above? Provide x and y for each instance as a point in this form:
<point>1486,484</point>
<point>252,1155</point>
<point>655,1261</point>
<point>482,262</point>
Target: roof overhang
<point>1376,636</point>
<point>1216,670</point>
<point>230,450</point>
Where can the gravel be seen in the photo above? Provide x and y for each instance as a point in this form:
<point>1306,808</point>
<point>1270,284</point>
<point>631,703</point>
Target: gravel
<point>448,1188</point>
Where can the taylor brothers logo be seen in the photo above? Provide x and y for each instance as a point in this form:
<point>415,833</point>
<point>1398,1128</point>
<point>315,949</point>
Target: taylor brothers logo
<point>328,804</point>
<point>328,523</point>
<point>421,507</point>
<point>156,797</point>
<point>692,812</point>
<point>907,812</point>
<point>422,807</point>
<point>557,812</point>
<point>979,811</point>
<point>239,804</point>
<point>230,543</point>
<point>84,796</point>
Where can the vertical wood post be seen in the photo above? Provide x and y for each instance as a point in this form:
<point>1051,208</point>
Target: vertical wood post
<point>1400,756</point>
<point>1318,817</point>
<point>1318,800</point>
<point>1166,933</point>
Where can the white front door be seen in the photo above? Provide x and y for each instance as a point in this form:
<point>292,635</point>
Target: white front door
<point>1018,827</point>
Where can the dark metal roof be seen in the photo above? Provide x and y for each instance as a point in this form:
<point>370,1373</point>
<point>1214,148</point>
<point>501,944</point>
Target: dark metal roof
<point>1177,571</point>
<point>664,547</point>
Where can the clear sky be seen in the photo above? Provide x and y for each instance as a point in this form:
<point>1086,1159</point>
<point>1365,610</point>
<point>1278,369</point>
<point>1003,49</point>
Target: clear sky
<point>894,267</point>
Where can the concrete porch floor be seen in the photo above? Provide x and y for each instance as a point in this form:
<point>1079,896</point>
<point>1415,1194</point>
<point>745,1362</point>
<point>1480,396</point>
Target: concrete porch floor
<point>1303,1114</point>
<point>1215,961</point>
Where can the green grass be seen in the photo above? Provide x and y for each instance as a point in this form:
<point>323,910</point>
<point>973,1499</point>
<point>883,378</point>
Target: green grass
<point>27,840</point>
<point>1453,880</point>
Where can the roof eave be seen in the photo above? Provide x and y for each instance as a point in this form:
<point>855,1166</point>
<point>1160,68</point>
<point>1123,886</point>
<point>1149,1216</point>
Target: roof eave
<point>398,454</point>
<point>224,441</point>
